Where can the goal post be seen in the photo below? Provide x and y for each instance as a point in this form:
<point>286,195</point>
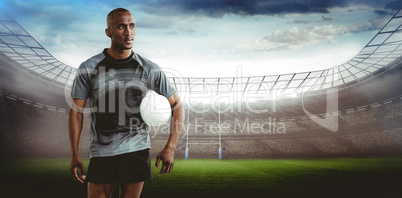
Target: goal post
<point>219,142</point>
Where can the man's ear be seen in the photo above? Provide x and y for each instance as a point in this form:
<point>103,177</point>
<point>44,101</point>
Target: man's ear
<point>107,31</point>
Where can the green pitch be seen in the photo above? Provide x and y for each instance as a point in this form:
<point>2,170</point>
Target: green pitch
<point>336,177</point>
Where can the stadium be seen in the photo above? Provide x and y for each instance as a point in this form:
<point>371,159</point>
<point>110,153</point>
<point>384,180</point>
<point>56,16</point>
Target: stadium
<point>325,133</point>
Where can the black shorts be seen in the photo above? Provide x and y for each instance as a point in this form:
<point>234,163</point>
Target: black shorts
<point>125,168</point>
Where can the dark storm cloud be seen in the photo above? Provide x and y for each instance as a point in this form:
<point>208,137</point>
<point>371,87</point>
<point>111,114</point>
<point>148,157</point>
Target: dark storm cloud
<point>382,12</point>
<point>394,5</point>
<point>218,8</point>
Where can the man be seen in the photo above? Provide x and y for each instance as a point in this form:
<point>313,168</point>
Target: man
<point>115,81</point>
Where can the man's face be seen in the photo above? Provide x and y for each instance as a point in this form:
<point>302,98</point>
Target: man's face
<point>121,30</point>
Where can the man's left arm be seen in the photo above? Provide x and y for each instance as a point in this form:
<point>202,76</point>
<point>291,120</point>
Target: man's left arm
<point>176,125</point>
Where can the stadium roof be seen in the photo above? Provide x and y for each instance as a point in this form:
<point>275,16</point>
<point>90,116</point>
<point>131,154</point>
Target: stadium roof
<point>385,48</point>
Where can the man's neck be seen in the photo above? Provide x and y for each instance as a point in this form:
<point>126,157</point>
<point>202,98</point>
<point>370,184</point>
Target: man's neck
<point>118,53</point>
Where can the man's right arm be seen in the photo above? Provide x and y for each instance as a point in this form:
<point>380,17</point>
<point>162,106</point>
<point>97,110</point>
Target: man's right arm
<point>75,120</point>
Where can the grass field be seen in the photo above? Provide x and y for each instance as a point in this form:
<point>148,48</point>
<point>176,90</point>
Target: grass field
<point>336,177</point>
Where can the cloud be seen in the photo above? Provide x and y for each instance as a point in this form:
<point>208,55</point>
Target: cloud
<point>156,22</point>
<point>295,38</point>
<point>219,8</point>
<point>64,11</point>
<point>171,32</point>
<point>59,16</point>
<point>382,12</point>
<point>394,5</point>
<point>172,24</point>
<point>189,26</point>
<point>377,22</point>
<point>50,40</point>
<point>299,21</point>
<point>326,19</point>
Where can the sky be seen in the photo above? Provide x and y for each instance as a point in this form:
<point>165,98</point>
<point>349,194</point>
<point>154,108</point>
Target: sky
<point>212,38</point>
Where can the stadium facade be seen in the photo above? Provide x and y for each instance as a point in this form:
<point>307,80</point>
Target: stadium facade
<point>354,109</point>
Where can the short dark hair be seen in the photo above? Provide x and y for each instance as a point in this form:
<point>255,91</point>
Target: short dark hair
<point>117,10</point>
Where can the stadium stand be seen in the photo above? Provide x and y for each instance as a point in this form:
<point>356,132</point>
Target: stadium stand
<point>360,117</point>
<point>34,110</point>
<point>329,145</point>
<point>290,148</point>
<point>386,142</point>
<point>245,148</point>
<point>393,110</point>
<point>307,140</point>
<point>203,149</point>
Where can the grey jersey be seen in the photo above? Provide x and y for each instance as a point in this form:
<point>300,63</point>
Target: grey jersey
<point>115,89</point>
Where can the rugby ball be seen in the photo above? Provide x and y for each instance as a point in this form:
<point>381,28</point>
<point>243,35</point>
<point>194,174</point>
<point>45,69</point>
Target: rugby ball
<point>155,109</point>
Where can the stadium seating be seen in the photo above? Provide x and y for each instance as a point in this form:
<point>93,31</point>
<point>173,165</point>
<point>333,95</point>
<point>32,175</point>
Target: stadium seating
<point>200,149</point>
<point>289,148</point>
<point>393,110</point>
<point>246,148</point>
<point>361,117</point>
<point>330,146</point>
<point>303,137</point>
<point>387,142</point>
